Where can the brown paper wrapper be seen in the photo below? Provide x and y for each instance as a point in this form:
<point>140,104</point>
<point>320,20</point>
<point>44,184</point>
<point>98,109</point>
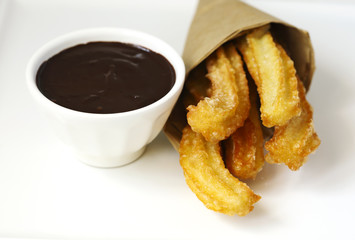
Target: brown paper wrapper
<point>219,21</point>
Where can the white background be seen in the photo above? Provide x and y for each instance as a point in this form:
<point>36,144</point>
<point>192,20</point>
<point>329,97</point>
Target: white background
<point>45,193</point>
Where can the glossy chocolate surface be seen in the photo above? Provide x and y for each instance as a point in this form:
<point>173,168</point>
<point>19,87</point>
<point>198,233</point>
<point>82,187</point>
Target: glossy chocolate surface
<point>105,77</point>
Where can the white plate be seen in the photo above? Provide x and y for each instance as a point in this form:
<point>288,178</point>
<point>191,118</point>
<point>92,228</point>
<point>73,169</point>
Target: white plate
<point>46,193</point>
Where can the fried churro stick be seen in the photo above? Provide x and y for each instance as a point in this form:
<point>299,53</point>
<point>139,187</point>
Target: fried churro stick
<point>244,149</point>
<point>243,108</point>
<point>274,74</point>
<point>215,116</point>
<point>208,178</point>
<point>294,141</point>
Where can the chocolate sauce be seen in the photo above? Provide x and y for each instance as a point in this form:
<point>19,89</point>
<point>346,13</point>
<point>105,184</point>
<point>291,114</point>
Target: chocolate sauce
<point>105,77</point>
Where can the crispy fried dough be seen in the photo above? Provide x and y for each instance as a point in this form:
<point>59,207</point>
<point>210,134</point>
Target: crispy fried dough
<point>274,74</point>
<point>208,178</point>
<point>244,149</point>
<point>215,116</point>
<point>223,110</point>
<point>243,108</point>
<point>294,141</point>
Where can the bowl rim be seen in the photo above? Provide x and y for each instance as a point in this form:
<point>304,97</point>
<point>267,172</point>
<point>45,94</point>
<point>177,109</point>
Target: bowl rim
<point>64,41</point>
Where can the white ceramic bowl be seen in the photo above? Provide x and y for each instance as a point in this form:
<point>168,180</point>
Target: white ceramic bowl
<point>107,140</point>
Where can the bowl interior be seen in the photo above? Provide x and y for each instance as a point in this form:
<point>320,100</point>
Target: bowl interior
<point>107,34</point>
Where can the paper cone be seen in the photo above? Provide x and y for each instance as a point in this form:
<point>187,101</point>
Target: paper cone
<point>219,21</point>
